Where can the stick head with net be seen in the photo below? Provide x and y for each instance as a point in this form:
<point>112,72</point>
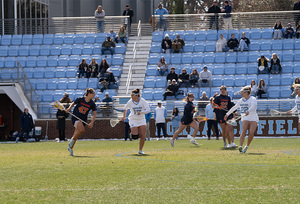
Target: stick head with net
<point>201,118</point>
<point>58,105</point>
<point>232,122</point>
<point>114,122</point>
<point>274,112</point>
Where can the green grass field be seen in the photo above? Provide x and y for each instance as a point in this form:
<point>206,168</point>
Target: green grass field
<point>112,172</point>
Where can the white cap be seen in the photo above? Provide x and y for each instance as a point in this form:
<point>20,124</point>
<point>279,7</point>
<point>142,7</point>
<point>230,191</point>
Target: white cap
<point>166,35</point>
<point>106,93</point>
<point>108,70</point>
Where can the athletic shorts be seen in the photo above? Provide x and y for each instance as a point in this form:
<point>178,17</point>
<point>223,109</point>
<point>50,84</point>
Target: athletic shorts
<point>221,119</point>
<point>186,121</point>
<point>74,122</point>
<point>136,123</point>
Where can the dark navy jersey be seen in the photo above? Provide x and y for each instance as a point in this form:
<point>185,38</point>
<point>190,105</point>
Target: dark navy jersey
<point>188,113</point>
<point>83,108</point>
<point>224,102</point>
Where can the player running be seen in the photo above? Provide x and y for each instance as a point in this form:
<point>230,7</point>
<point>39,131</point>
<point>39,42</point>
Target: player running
<point>297,106</point>
<point>249,117</point>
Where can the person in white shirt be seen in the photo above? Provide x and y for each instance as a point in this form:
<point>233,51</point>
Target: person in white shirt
<point>249,117</point>
<point>297,106</point>
<point>253,88</point>
<point>160,115</point>
<point>205,77</point>
<point>137,121</point>
<point>221,44</point>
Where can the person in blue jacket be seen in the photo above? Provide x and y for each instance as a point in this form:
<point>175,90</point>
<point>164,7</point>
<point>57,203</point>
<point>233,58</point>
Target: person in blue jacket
<point>161,19</point>
<point>175,120</point>
<point>148,117</point>
<point>227,17</point>
<point>26,123</point>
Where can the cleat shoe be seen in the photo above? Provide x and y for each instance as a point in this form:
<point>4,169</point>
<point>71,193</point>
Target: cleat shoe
<point>193,141</point>
<point>233,145</point>
<point>228,146</point>
<point>71,151</point>
<point>172,142</point>
<point>245,149</point>
<point>240,148</point>
<point>141,152</point>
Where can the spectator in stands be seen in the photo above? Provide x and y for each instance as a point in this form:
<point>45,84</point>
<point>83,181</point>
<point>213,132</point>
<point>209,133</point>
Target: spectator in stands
<point>112,35</point>
<point>172,75</point>
<point>227,17</point>
<point>103,67</point>
<point>66,99</point>
<point>244,42</point>
<point>128,12</point>
<point>160,115</point>
<point>262,88</point>
<point>178,44</point>
<point>183,78</point>
<point>298,30</point>
<point>232,43</point>
<point>296,81</point>
<point>97,99</point>
<point>205,77</point>
<point>210,114</point>
<point>26,123</point>
<point>215,9</point>
<point>275,67</point>
<point>166,44</point>
<point>176,119</point>
<point>253,88</point>
<point>121,35</point>
<point>161,21</point>
<point>194,77</point>
<point>278,30</point>
<point>148,117</point>
<point>263,66</point>
<point>171,90</point>
<point>100,15</point>
<point>109,80</point>
<point>107,104</point>
<point>221,44</point>
<point>162,66</point>
<point>93,68</point>
<point>297,15</point>
<point>202,105</point>
<point>289,31</point>
<point>108,45</point>
<point>83,69</point>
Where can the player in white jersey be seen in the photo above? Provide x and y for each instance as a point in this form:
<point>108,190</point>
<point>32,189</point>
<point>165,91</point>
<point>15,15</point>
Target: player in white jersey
<point>137,121</point>
<point>247,105</point>
<point>297,106</point>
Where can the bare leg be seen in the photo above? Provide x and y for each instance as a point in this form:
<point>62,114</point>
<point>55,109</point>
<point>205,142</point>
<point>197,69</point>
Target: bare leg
<point>252,128</point>
<point>142,133</point>
<point>195,126</point>
<point>223,126</point>
<point>79,130</point>
<point>245,125</point>
<point>229,132</point>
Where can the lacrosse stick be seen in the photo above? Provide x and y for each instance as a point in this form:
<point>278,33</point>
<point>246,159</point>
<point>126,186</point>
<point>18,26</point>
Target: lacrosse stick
<point>114,121</point>
<point>214,105</point>
<point>233,121</point>
<point>201,118</point>
<point>58,105</point>
<point>274,112</point>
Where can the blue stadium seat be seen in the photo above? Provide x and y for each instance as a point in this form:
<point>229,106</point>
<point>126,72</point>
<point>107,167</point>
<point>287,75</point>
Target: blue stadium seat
<point>6,40</point>
<point>253,56</point>
<point>217,81</point>
<point>16,40</point>
<point>189,35</point>
<point>285,92</point>
<point>286,105</point>
<point>200,35</point>
<point>3,51</point>
<point>210,46</point>
<point>189,47</point>
<point>38,73</point>
<point>72,83</point>
<point>176,58</point>
<point>97,49</point>
<point>77,50</point>
<point>296,67</point>
<point>241,68</point>
<point>79,38</point>
<point>236,32</point>
<point>157,36</point>
<point>63,60</point>
<point>228,80</point>
<point>242,57</point>
<point>13,51</point>
<point>74,60</point>
<point>82,83</point>
<point>48,39</point>
<point>277,44</point>
<point>273,92</point>
<point>296,55</point>
<point>90,38</point>
<point>149,82</point>
<point>58,94</point>
<point>117,60</point>
<point>10,62</point>
<point>274,80</point>
<point>93,83</point>
<point>29,72</point>
<point>108,58</point>
<point>179,32</point>
<point>151,70</point>
<point>2,62</point>
<point>71,72</point>
<point>45,50</point>
<point>212,35</point>
<point>236,91</point>
<point>49,72</point>
<point>147,94</point>
<point>265,45</point>
<point>254,45</point>
<point>52,61</point>
<point>214,90</point>
<point>60,72</point>
<point>58,39</point>
<point>286,79</point>
<point>31,61</point>
<point>153,59</point>
<point>288,44</point>
<point>287,67</point>
<point>37,39</point>
<point>116,70</point>
<point>224,33</point>
<point>194,91</point>
<point>255,33</point>
<point>158,94</point>
<point>273,105</point>
<point>42,61</point>
<point>231,57</point>
<point>266,53</point>
<point>41,84</point>
<point>48,96</point>
<point>120,48</point>
<point>23,50</point>
<point>246,31</point>
<point>62,84</point>
<point>100,38</point>
<point>209,58</point>
<point>22,60</point>
<point>167,57</point>
<point>34,50</point>
<point>297,44</point>
<point>187,58</point>
<point>250,78</point>
<point>279,54</point>
<point>39,94</point>
<point>55,49</point>
<point>239,80</point>
<point>267,33</point>
<point>66,49</point>
<point>229,69</point>
<point>72,94</point>
<point>161,82</point>
<point>295,75</point>
<point>87,50</point>
<point>265,77</point>
<point>52,84</point>
<point>199,46</point>
<point>287,56</point>
<point>15,74</point>
<point>27,39</point>
<point>220,57</point>
<point>171,34</point>
<point>218,69</point>
<point>206,89</point>
<point>7,74</point>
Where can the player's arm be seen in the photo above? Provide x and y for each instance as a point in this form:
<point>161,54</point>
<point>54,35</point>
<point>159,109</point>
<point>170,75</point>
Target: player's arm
<point>70,107</point>
<point>91,124</point>
<point>232,109</point>
<point>293,110</point>
<point>252,107</point>
<point>146,109</point>
<point>124,114</point>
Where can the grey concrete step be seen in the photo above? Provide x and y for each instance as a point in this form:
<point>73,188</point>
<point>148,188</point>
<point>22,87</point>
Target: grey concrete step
<point>125,64</point>
<point>125,75</point>
<point>139,45</point>
<point>137,53</point>
<point>137,56</point>
<point>139,38</point>
<point>133,78</point>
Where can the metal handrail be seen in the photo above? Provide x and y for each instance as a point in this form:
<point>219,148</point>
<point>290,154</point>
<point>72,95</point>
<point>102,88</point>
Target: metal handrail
<point>139,28</point>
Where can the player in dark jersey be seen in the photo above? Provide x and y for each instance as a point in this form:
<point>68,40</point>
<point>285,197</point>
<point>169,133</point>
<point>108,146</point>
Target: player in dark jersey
<point>224,103</point>
<point>187,120</point>
<point>81,110</point>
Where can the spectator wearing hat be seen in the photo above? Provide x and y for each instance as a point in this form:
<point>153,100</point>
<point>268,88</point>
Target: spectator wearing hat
<point>184,78</point>
<point>244,42</point>
<point>205,77</point>
<point>166,44</point>
<point>233,43</point>
<point>263,67</point>
<point>160,115</point>
<point>221,45</point>
<point>161,22</point>
<point>108,45</point>
<point>178,44</point>
<point>106,105</point>
<point>171,90</point>
<point>289,31</point>
<point>65,99</point>
<point>162,66</point>
<point>227,17</point>
<point>172,75</point>
<point>215,9</point>
<point>128,12</point>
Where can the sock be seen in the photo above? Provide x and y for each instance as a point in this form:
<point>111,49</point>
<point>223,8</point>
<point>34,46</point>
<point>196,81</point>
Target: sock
<point>71,142</point>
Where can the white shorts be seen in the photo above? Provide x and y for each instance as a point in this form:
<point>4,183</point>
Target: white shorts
<point>136,123</point>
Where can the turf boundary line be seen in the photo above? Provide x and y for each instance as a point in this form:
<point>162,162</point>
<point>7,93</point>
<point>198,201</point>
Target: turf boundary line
<point>291,152</point>
<point>140,157</point>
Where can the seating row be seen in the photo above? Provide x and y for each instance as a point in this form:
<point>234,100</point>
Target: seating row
<point>222,57</point>
<point>47,50</point>
<point>49,39</point>
<point>54,61</point>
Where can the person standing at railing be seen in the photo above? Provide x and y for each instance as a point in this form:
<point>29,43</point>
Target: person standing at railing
<point>227,17</point>
<point>214,19</point>
<point>297,15</point>
<point>128,12</point>
<point>100,15</point>
<point>161,19</point>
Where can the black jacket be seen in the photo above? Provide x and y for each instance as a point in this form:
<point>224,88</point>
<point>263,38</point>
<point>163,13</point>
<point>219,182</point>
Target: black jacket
<point>277,63</point>
<point>184,76</point>
<point>61,119</point>
<point>173,88</point>
<point>26,122</point>
<point>232,43</point>
<point>172,76</point>
<point>214,9</point>
<point>163,44</point>
<point>128,12</point>
<point>247,41</point>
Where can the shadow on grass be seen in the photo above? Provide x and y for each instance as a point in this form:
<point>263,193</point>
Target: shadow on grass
<point>140,155</point>
<point>85,156</point>
<point>232,148</point>
<point>257,153</point>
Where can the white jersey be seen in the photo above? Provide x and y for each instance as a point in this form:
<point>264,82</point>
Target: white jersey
<point>297,107</point>
<point>246,105</point>
<point>134,107</point>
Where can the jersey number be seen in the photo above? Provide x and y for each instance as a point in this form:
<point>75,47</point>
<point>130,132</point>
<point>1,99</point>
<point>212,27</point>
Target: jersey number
<point>83,110</point>
<point>223,105</point>
<point>244,109</point>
